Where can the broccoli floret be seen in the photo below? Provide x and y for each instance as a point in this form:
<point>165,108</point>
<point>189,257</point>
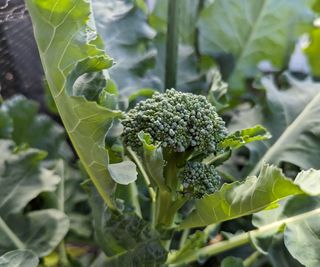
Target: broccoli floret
<point>198,179</point>
<point>177,120</point>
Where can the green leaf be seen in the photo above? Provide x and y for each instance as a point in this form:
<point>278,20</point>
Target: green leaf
<point>69,48</point>
<point>245,136</point>
<point>296,206</point>
<point>40,231</point>
<point>124,172</point>
<point>19,258</point>
<point>150,253</point>
<point>38,131</point>
<point>126,238</point>
<point>153,159</point>
<point>304,234</point>
<point>300,233</point>
<point>21,177</point>
<point>279,255</point>
<point>292,117</point>
<point>6,125</point>
<point>252,31</point>
<point>313,50</point>
<point>21,180</point>
<point>127,35</point>
<point>217,95</point>
<point>239,199</point>
<point>232,262</point>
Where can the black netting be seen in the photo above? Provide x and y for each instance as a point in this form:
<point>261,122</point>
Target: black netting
<point>20,68</point>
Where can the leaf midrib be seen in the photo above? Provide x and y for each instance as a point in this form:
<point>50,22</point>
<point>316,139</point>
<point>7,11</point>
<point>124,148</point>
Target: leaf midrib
<point>248,40</point>
<point>291,128</point>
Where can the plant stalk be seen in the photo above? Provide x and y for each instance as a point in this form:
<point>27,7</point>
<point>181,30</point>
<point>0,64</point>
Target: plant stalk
<point>145,176</point>
<point>172,44</point>
<point>11,235</point>
<point>251,259</point>
<point>134,197</point>
<point>63,257</point>
<point>236,241</point>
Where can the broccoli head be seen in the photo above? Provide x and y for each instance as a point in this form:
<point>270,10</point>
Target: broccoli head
<point>177,120</point>
<point>198,179</point>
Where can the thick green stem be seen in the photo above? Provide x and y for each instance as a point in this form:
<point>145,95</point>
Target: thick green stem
<point>251,259</point>
<point>145,176</point>
<point>172,44</point>
<point>11,235</point>
<point>184,237</point>
<point>236,241</point>
<point>134,197</point>
<point>63,257</point>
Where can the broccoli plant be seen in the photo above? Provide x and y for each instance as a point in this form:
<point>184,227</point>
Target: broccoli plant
<point>159,176</point>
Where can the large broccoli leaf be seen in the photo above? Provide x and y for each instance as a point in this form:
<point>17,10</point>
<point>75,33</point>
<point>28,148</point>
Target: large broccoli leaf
<point>19,258</point>
<point>252,195</point>
<point>21,180</point>
<point>69,48</point>
<point>251,31</point>
<point>313,51</point>
<point>303,232</point>
<point>125,238</point>
<point>38,131</point>
<point>292,116</point>
<point>127,35</point>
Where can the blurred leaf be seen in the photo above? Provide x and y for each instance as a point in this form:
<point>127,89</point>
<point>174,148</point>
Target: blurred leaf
<point>6,125</point>
<point>279,255</point>
<point>38,131</point>
<point>252,31</point>
<point>252,195</point>
<point>292,117</point>
<point>245,136</point>
<point>21,177</point>
<point>217,95</point>
<point>189,78</point>
<point>19,258</point>
<point>232,262</point>
<point>316,6</point>
<point>308,208</point>
<point>21,180</point>
<point>124,28</point>
<point>313,51</point>
<point>304,234</point>
<point>69,49</point>
<point>40,231</point>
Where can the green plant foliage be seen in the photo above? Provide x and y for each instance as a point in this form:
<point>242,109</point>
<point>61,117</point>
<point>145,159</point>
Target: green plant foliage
<point>189,77</point>
<point>291,116</point>
<point>245,136</point>
<point>69,49</point>
<point>14,182</point>
<point>21,180</point>
<point>297,233</point>
<point>251,31</point>
<point>239,199</point>
<point>232,262</point>
<point>124,172</point>
<point>304,234</point>
<point>6,125</point>
<point>19,258</point>
<point>124,28</point>
<point>313,51</point>
<point>30,128</point>
<point>127,239</point>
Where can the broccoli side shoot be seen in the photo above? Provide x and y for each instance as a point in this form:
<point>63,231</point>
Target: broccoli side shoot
<point>198,179</point>
<point>179,121</point>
